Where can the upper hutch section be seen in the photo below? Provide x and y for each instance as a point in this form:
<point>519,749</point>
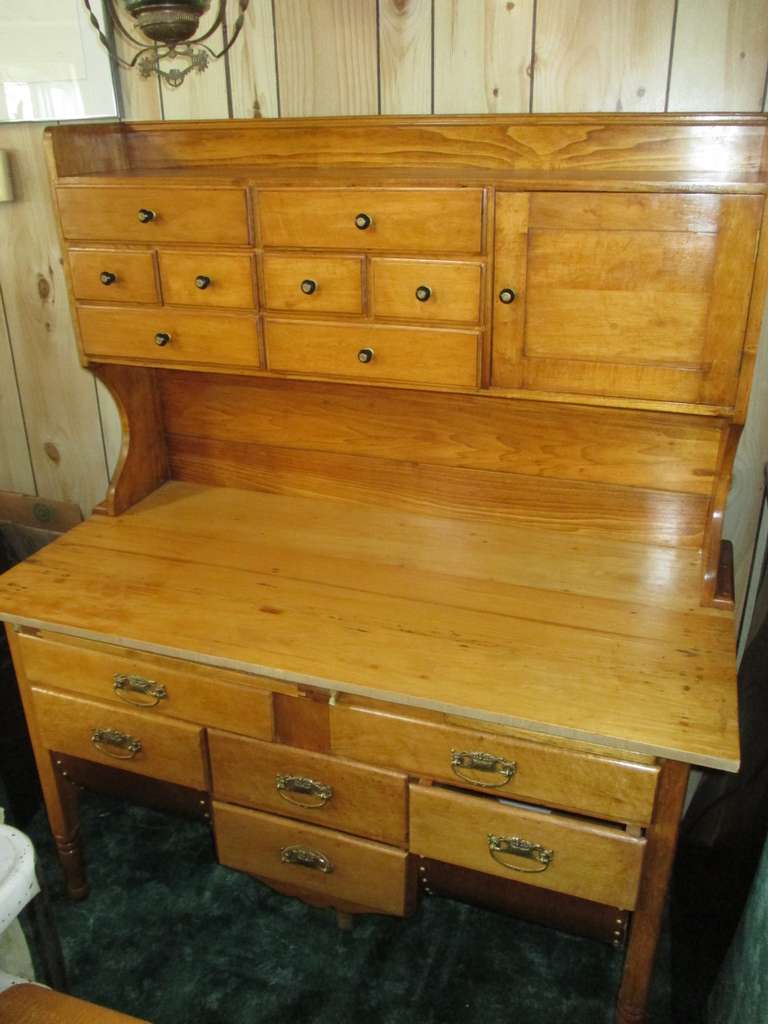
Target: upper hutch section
<point>600,261</point>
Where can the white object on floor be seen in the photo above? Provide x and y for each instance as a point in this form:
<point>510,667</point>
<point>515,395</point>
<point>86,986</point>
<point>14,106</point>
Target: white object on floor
<point>18,885</point>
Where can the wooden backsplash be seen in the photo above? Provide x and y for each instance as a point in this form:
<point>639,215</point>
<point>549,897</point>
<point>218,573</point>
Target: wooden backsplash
<point>58,430</point>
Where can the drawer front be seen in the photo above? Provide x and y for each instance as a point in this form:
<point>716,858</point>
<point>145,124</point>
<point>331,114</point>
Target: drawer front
<point>203,216</point>
<point>207,279</point>
<point>360,872</point>
<point>312,787</point>
<point>313,284</point>
<point>510,768</point>
<point>547,850</point>
<point>191,337</point>
<point>427,290</point>
<point>132,740</point>
<point>400,220</point>
<point>160,687</point>
<point>113,275</point>
<point>408,355</point>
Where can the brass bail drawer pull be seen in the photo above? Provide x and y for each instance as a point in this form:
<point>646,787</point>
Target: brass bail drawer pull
<point>477,761</point>
<point>104,739</point>
<point>149,692</point>
<point>306,859</point>
<point>318,792</point>
<point>514,846</point>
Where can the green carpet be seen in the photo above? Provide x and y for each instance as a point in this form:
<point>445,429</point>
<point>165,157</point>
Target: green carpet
<point>170,936</point>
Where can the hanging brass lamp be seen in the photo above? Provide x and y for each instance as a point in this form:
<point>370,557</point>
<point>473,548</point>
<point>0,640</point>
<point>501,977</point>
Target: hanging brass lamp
<point>169,29</point>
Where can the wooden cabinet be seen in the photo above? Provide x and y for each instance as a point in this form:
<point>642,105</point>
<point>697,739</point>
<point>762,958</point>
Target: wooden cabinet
<point>413,554</point>
<point>627,295</point>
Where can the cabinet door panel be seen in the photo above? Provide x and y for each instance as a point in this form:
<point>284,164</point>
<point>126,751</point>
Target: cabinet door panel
<point>637,296</point>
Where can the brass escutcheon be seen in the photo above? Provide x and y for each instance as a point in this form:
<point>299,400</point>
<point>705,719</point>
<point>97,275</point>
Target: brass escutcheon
<point>103,739</point>
<point>477,761</point>
<point>123,685</point>
<point>306,858</point>
<point>319,791</point>
<point>514,846</point>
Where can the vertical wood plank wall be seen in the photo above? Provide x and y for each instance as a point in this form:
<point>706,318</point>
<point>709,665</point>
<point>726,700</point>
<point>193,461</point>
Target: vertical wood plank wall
<point>58,431</point>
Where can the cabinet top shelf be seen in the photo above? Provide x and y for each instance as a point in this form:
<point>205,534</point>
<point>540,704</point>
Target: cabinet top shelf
<point>560,633</point>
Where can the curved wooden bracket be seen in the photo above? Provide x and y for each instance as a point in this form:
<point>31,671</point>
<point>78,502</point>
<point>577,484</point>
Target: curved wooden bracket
<point>717,581</point>
<point>142,465</point>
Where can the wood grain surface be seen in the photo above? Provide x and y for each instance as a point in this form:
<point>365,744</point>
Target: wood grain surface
<point>35,1004</point>
<point>589,861</point>
<point>617,625</point>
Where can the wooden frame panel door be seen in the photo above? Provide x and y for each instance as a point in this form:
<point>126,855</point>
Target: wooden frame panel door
<point>626,295</point>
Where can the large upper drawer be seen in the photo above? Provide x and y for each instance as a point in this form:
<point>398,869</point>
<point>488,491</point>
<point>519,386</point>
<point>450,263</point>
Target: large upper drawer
<point>593,862</point>
<point>151,214</point>
<point>399,220</point>
<point>163,687</point>
<point>516,769</point>
<point>373,353</point>
<point>170,335</point>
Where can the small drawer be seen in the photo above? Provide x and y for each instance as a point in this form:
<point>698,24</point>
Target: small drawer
<point>313,284</point>
<point>366,352</point>
<point>113,275</point>
<point>151,214</point>
<point>427,290</point>
<point>207,279</point>
<point>300,784</point>
<point>169,336</point>
<point>399,220</point>
<point>162,687</point>
<point>132,740</point>
<point>566,855</point>
<point>314,860</point>
<point>517,769</point>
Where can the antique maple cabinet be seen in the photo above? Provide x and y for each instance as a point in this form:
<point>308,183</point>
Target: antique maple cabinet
<point>410,575</point>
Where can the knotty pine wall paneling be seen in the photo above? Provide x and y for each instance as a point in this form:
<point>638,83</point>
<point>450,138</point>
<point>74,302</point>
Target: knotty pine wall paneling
<point>315,57</point>
<point>483,54</point>
<point>58,397</point>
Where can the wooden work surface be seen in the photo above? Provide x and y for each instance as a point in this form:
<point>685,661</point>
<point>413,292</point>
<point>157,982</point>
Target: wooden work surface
<point>559,633</point>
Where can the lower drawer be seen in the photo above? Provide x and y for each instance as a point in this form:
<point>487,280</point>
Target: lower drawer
<point>315,860</point>
<point>566,855</point>
<point>367,352</point>
<point>169,335</point>
<point>122,739</point>
<point>313,787</point>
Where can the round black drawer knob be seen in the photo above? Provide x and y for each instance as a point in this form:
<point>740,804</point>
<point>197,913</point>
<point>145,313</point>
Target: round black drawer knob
<point>363,221</point>
<point>506,295</point>
<point>162,338</point>
<point>145,216</point>
<point>202,282</point>
<point>365,355</point>
<point>423,292</point>
<point>308,286</point>
<point>106,277</point>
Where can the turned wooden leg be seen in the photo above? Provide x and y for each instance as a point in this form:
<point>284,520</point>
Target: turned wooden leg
<point>657,868</point>
<point>61,796</point>
<point>64,818</point>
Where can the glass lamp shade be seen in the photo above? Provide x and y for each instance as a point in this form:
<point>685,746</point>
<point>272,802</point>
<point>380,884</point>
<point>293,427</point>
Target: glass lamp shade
<point>167,21</point>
